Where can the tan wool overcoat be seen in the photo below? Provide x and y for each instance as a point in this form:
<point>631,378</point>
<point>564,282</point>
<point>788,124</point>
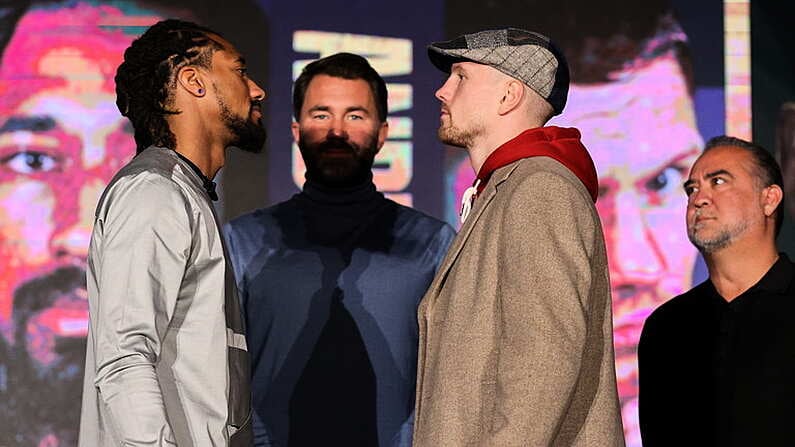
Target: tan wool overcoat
<point>516,345</point>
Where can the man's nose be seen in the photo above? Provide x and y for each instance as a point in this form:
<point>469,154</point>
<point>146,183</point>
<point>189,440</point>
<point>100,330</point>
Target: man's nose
<point>443,93</point>
<point>635,256</point>
<point>337,128</point>
<point>439,94</point>
<point>256,92</point>
<point>700,197</point>
<point>74,220</point>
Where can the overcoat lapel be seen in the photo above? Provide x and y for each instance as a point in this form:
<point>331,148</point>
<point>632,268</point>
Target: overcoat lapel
<point>426,305</point>
<point>481,204</point>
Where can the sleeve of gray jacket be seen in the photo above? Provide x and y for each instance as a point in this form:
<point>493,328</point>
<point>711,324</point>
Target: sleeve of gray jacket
<point>140,250</point>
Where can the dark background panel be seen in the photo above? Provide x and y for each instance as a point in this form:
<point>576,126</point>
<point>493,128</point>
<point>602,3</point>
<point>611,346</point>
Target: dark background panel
<point>772,81</point>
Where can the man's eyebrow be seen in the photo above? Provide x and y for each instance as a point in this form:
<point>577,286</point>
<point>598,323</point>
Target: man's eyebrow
<point>241,60</point>
<point>323,108</point>
<point>717,173</point>
<point>357,109</point>
<point>709,175</point>
<point>318,108</point>
<point>41,123</point>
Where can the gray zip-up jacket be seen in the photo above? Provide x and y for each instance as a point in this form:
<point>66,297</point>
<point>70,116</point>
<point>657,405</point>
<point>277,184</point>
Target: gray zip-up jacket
<point>166,358</point>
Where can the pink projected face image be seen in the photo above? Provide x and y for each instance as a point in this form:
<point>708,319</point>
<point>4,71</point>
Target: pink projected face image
<point>641,132</point>
<point>61,140</point>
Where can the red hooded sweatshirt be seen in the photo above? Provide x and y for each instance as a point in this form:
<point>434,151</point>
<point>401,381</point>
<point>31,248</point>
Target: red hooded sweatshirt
<point>560,143</point>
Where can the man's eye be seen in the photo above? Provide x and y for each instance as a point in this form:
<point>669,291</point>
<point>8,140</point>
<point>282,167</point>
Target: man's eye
<point>718,181</point>
<point>665,180</point>
<point>30,162</point>
<point>355,117</point>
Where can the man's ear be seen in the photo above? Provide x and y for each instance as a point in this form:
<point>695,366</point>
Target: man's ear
<point>771,197</point>
<point>191,79</point>
<point>513,93</point>
<point>296,128</point>
<point>383,133</point>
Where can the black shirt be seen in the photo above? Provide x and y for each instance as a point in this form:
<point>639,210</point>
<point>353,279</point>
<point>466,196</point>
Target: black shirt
<point>714,372</point>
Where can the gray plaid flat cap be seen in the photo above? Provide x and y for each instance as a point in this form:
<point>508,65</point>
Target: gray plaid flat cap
<point>527,56</point>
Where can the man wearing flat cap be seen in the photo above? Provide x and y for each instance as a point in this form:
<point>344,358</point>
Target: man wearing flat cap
<point>516,342</point>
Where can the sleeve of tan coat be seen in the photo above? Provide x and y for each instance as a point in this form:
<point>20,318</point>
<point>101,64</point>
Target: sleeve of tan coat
<point>545,268</point>
<point>145,243</point>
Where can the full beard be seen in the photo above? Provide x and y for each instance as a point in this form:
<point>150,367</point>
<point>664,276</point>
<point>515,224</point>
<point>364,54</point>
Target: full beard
<point>46,398</point>
<point>338,171</point>
<point>40,294</point>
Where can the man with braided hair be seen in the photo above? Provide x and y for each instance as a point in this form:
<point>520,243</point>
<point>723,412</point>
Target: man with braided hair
<point>166,356</point>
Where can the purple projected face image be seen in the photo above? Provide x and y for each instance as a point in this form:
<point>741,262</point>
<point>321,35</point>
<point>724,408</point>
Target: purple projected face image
<point>641,132</point>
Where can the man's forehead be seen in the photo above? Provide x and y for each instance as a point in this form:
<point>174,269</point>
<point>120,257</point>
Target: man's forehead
<point>62,79</point>
<point>325,92</point>
<point>79,66</point>
<point>90,56</point>
<point>645,119</point>
<point>324,89</point>
<point>228,57</point>
<point>80,32</point>
<point>728,158</point>
<point>462,65</point>
<point>224,49</point>
<point>659,84</point>
<point>468,66</point>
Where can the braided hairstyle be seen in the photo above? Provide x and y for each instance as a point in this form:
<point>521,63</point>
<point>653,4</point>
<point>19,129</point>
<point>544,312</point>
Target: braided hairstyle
<point>146,80</point>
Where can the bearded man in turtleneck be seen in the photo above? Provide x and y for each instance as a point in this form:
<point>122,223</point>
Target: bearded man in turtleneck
<point>330,280</point>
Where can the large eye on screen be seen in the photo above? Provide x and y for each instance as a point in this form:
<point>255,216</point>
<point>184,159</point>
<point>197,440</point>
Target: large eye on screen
<point>25,161</point>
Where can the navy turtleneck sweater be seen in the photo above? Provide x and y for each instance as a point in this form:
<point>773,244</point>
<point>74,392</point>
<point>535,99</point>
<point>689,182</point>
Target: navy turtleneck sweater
<point>330,281</point>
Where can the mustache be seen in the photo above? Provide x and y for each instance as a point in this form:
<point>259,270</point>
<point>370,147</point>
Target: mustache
<point>41,292</point>
<point>701,213</point>
<point>336,143</point>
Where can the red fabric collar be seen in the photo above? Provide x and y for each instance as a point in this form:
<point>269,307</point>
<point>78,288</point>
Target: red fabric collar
<point>560,143</point>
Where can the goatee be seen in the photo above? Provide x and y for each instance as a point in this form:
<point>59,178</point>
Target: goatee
<point>249,136</point>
